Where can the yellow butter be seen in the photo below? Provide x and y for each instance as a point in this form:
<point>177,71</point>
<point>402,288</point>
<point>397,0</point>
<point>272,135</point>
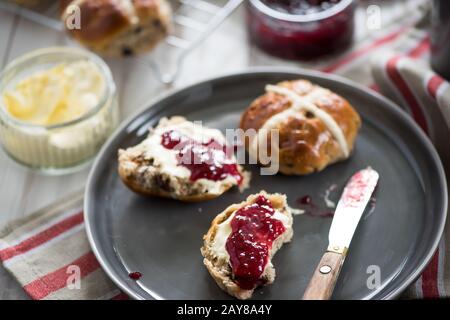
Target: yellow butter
<point>57,95</point>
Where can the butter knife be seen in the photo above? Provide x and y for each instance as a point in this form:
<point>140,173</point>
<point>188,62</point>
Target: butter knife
<point>354,199</point>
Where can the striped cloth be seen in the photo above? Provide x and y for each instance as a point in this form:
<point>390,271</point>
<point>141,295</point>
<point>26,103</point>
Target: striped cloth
<point>425,96</point>
<point>48,251</point>
<point>41,250</point>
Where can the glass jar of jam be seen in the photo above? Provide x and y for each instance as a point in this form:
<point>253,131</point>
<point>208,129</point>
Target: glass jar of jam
<point>301,29</point>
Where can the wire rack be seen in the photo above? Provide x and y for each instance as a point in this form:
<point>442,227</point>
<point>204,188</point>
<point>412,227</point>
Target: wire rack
<point>193,22</point>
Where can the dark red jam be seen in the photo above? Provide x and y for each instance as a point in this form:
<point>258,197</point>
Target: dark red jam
<point>306,200</point>
<point>206,160</point>
<point>313,210</point>
<point>372,202</point>
<point>253,232</point>
<point>300,29</point>
<point>326,214</point>
<point>135,275</point>
<point>300,6</point>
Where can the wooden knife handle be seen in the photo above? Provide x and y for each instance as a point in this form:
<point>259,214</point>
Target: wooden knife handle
<point>322,283</point>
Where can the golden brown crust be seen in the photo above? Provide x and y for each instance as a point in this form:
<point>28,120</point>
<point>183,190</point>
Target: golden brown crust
<point>116,28</point>
<point>306,145</point>
<point>146,8</point>
<point>219,269</point>
<point>262,109</point>
<point>133,182</point>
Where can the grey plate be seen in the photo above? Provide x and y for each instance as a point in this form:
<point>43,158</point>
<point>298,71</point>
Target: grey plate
<point>161,238</point>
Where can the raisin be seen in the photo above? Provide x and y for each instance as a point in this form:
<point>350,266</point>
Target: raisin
<point>126,51</point>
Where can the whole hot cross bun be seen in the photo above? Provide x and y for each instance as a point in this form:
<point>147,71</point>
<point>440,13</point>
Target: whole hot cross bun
<point>316,126</point>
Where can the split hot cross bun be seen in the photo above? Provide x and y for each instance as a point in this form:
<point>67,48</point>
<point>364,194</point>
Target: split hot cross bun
<point>316,126</point>
<point>117,28</point>
<point>182,160</point>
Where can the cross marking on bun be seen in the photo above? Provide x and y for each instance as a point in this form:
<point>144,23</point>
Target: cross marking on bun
<point>316,126</point>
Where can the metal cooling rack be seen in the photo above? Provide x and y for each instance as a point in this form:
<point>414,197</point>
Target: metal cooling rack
<point>193,22</point>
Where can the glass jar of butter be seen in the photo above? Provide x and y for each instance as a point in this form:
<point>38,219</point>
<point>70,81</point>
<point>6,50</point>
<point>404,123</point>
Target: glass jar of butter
<point>57,108</point>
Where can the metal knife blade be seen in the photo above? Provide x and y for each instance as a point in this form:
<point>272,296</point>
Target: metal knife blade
<point>350,208</point>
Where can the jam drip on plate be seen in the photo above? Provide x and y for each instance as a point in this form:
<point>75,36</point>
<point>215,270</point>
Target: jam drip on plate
<point>135,275</point>
<point>206,160</point>
<point>300,7</point>
<point>253,231</point>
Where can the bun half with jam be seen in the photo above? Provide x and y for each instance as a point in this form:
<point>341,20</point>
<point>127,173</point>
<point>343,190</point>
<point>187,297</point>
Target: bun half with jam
<point>182,160</point>
<point>316,126</point>
<point>239,246</point>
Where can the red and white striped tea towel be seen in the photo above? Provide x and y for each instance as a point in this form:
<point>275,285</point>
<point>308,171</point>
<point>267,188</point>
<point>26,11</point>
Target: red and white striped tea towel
<point>425,96</point>
<point>422,93</point>
<point>49,255</point>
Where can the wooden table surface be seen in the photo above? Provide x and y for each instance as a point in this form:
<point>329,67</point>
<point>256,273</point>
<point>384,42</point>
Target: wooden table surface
<point>23,191</point>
